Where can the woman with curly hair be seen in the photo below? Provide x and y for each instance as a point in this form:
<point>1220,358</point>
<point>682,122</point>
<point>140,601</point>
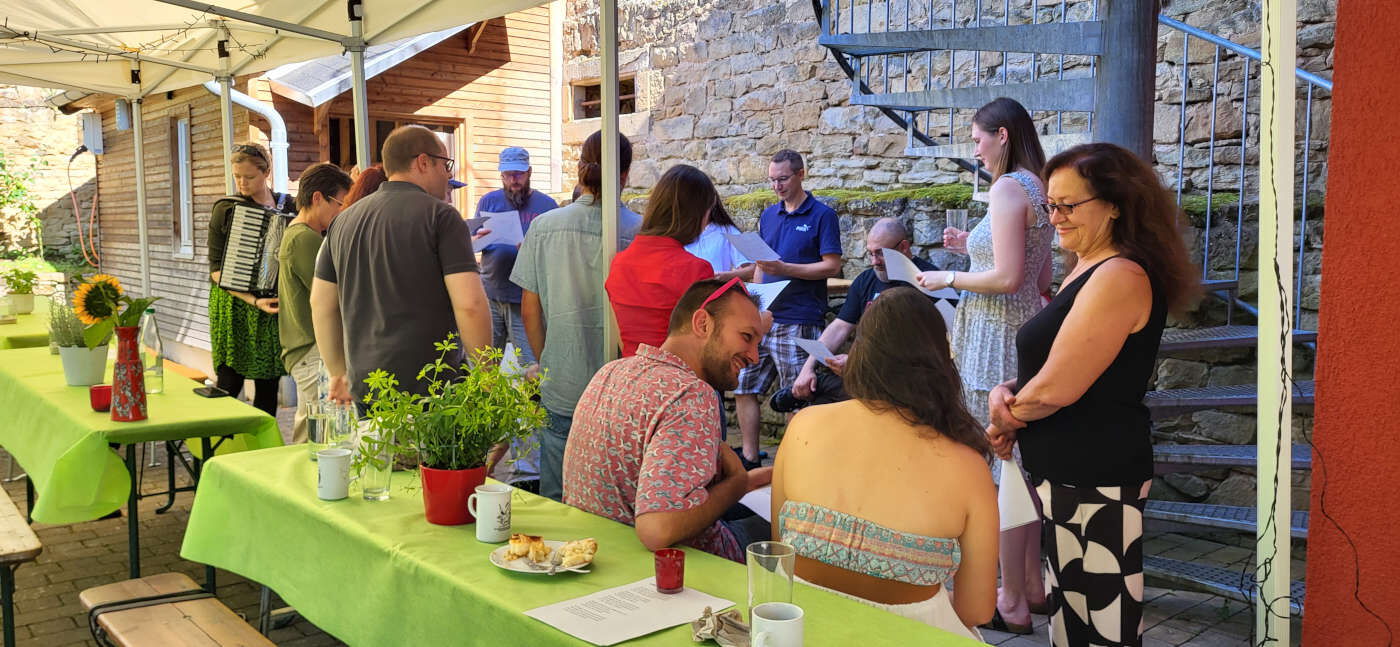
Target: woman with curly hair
<point>243,328</point>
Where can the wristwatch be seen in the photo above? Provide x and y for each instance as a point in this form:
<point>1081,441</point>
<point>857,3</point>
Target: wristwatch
<point>952,276</point>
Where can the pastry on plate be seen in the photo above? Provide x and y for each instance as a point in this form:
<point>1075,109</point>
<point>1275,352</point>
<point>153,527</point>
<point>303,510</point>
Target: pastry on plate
<point>539,551</point>
<point>520,545</point>
<point>578,552</point>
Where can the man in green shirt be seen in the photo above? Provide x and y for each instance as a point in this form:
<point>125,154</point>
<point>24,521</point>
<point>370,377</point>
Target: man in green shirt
<point>320,195</point>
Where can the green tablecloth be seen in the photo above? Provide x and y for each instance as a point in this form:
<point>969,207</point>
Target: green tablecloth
<point>380,574</point>
<point>51,429</point>
<point>28,330</point>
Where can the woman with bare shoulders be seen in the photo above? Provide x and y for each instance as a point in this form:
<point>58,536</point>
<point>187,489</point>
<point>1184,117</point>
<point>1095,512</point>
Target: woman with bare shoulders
<point>887,497</point>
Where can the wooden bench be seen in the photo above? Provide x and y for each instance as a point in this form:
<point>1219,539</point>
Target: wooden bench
<point>18,545</point>
<point>187,371</point>
<point>199,622</point>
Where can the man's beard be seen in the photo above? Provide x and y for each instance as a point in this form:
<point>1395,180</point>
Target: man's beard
<point>716,365</point>
<point>518,199</point>
<point>882,274</point>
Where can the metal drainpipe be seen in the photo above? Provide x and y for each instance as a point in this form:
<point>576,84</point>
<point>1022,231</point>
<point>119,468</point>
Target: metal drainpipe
<point>277,142</point>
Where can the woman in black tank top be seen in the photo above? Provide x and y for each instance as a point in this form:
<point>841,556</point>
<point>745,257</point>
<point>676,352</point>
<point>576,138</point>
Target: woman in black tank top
<point>1083,366</point>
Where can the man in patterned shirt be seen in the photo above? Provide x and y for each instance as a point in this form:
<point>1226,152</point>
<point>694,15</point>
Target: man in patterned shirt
<point>645,447</point>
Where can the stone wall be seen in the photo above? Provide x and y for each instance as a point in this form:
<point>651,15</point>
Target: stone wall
<point>724,84</point>
<point>38,138</point>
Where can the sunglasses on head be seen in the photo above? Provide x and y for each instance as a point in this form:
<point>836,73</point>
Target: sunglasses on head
<point>725,288</point>
<point>248,149</point>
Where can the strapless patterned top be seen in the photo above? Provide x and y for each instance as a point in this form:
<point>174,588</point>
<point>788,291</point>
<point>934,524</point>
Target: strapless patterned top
<point>847,541</point>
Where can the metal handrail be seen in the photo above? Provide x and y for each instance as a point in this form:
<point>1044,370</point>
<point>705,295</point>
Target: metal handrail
<point>1239,49</point>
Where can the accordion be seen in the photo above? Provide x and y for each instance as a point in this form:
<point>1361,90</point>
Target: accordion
<point>250,255</point>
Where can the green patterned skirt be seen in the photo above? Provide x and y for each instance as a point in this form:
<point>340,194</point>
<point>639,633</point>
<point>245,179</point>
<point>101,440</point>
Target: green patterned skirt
<point>243,337</point>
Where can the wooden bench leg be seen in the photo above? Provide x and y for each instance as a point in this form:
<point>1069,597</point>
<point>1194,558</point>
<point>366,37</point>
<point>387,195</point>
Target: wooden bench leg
<point>7,598</point>
<point>28,499</point>
<point>264,611</point>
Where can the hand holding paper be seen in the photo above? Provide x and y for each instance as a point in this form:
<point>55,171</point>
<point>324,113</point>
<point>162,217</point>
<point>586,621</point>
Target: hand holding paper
<point>900,268</point>
<point>815,348</point>
<point>1014,498</point>
<point>767,293</point>
<point>751,245</point>
<point>504,229</point>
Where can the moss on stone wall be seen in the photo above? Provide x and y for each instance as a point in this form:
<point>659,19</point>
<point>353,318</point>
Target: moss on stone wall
<point>955,196</point>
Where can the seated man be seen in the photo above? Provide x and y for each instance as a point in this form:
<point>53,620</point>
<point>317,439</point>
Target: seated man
<point>821,386</point>
<point>645,447</point>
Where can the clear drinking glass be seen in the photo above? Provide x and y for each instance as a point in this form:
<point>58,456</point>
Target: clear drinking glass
<point>378,466</point>
<point>771,566</point>
<point>320,425</point>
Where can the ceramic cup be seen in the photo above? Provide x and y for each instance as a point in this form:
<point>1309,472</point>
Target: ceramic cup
<point>333,473</point>
<point>490,504</point>
<point>777,624</point>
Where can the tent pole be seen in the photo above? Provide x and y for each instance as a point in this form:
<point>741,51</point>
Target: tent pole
<point>357,80</point>
<point>612,181</point>
<point>139,133</point>
<point>226,112</point>
<point>1275,352</point>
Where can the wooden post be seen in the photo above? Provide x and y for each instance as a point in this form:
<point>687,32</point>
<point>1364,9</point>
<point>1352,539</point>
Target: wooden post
<point>1125,81</point>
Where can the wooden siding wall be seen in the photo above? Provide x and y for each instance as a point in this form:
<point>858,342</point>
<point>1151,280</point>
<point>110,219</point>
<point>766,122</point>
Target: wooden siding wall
<point>496,96</point>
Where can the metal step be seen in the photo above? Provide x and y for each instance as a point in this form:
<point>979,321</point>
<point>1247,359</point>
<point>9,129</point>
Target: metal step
<point>1195,458</point>
<point>1174,402</point>
<point>1076,38</point>
<point>1179,339</point>
<point>1215,580</point>
<point>1228,517</point>
<point>1221,285</point>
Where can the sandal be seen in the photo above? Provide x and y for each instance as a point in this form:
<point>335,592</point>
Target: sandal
<point>1042,609</point>
<point>999,623</point>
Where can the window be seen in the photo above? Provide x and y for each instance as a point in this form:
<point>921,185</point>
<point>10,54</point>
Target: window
<point>181,188</point>
<point>340,148</point>
<point>588,98</point>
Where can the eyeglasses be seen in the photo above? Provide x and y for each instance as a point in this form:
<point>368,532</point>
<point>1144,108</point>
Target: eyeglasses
<point>249,149</point>
<point>448,161</point>
<point>337,202</point>
<point>1067,208</point>
<point>725,288</point>
<point>779,180</point>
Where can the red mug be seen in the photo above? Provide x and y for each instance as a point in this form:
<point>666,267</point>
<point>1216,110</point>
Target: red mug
<point>100,396</point>
<point>670,570</point>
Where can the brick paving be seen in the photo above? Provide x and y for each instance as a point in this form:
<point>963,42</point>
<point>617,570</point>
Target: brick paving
<point>82,555</point>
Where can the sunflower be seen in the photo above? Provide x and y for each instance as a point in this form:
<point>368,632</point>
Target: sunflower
<point>97,298</point>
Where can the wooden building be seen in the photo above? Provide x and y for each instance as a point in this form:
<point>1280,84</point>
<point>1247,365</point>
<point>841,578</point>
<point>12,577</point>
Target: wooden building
<point>483,87</point>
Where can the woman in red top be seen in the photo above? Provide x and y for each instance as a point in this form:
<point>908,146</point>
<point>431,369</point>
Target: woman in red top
<point>647,279</point>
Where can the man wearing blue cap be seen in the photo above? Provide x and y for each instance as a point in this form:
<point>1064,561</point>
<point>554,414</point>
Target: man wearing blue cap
<point>498,260</point>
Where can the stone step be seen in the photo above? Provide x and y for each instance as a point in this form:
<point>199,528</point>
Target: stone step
<point>1180,339</point>
<point>1236,585</point>
<point>1174,402</point>
<point>1227,517</point>
<point>1196,458</point>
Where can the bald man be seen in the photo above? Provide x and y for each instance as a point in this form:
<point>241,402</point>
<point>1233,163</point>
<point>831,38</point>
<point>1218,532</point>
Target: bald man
<point>813,387</point>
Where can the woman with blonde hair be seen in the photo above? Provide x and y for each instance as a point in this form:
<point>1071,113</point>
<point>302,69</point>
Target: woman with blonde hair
<point>243,330</point>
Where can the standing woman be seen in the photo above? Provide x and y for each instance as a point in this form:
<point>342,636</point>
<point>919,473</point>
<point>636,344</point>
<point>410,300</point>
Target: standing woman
<point>726,261</point>
<point>647,279</point>
<point>1010,252</point>
<point>243,328</point>
<point>1083,366</point>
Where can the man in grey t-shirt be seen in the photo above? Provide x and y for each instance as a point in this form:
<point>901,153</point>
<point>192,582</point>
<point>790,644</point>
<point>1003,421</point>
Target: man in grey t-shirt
<point>397,273</point>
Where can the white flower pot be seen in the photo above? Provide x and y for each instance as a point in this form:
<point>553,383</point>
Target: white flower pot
<point>83,366</point>
<point>23,303</point>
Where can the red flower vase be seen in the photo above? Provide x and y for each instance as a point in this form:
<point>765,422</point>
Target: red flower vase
<point>128,378</point>
<point>445,494</point>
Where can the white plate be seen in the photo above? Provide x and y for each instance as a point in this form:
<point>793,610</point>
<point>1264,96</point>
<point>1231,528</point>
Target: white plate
<point>525,565</point>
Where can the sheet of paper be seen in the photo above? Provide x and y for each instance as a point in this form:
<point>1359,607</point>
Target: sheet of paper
<point>474,224</point>
<point>510,362</point>
<point>767,293</point>
<point>752,246</point>
<point>613,615</point>
<point>948,313</point>
<point>760,501</point>
<point>900,268</point>
<point>1014,498</point>
<point>505,229</point>
<point>816,349</point>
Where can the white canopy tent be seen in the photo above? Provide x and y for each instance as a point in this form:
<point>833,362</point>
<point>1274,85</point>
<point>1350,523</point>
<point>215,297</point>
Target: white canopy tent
<point>133,48</point>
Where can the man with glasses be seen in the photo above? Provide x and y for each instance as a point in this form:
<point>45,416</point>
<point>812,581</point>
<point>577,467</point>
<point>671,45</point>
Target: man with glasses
<point>644,448</point>
<point>397,273</point>
<point>320,197</point>
<point>498,260</point>
<point>807,236</point>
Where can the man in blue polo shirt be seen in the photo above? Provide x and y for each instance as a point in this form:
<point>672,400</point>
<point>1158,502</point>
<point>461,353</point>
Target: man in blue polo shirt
<point>807,235</point>
<point>498,260</point>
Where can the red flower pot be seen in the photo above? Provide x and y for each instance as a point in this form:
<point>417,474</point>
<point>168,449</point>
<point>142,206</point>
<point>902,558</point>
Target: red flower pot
<point>128,378</point>
<point>445,494</point>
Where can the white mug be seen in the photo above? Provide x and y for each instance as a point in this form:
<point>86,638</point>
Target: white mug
<point>490,504</point>
<point>333,473</point>
<point>777,624</point>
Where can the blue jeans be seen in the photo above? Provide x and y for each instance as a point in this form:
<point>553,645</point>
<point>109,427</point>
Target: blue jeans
<point>508,325</point>
<point>749,529</point>
<point>553,438</point>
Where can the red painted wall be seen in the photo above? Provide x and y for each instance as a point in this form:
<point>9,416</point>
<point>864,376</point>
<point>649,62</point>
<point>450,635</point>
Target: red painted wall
<point>1359,342</point>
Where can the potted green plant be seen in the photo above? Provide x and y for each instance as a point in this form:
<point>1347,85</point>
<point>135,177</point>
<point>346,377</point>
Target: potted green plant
<point>467,411</point>
<point>83,364</point>
<point>20,282</point>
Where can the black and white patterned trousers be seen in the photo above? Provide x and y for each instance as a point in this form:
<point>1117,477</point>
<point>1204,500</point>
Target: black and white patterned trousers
<point>1093,544</point>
